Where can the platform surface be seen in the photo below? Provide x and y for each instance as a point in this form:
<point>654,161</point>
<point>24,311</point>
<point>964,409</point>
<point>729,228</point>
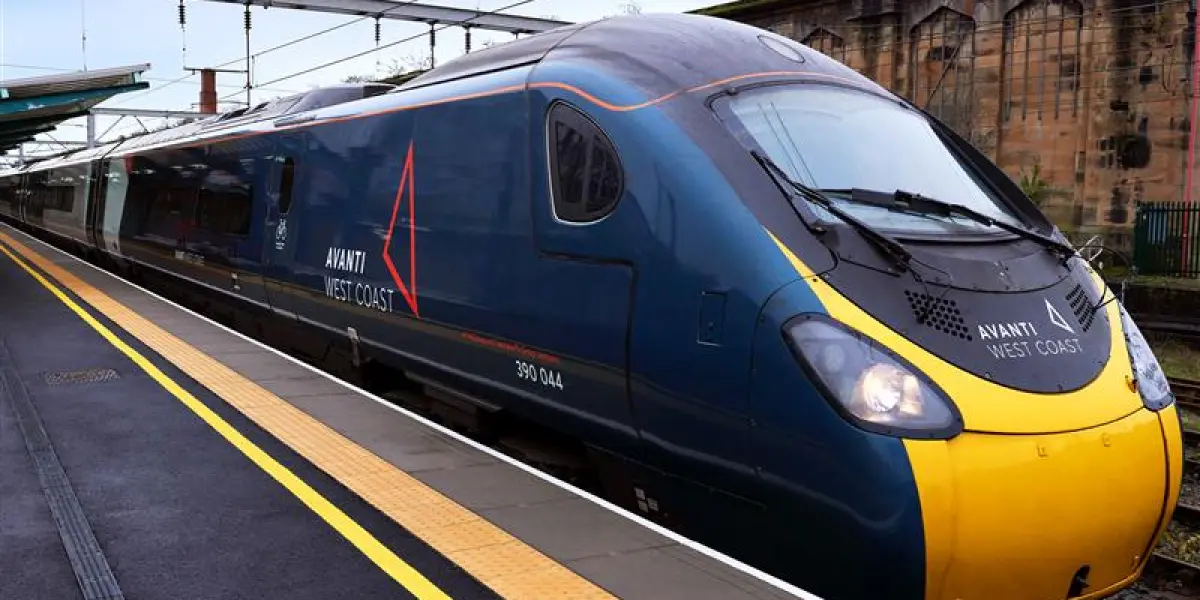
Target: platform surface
<point>210,466</point>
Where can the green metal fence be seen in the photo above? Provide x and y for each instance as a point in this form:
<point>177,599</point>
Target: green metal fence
<point>1166,239</point>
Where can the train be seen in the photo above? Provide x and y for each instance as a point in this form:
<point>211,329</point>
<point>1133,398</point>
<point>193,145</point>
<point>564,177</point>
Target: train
<point>784,310</point>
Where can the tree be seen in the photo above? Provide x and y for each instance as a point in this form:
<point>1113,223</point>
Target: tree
<point>1037,188</point>
<point>1033,185</point>
<point>405,64</point>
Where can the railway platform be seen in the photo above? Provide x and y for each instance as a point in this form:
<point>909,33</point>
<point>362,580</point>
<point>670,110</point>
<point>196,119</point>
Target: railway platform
<point>147,452</point>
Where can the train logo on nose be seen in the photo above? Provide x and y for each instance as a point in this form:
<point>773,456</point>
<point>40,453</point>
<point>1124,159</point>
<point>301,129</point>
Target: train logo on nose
<point>1056,317</point>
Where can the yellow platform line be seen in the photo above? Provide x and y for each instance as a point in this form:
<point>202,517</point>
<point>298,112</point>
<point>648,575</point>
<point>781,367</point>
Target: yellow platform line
<point>500,561</point>
<point>405,575</point>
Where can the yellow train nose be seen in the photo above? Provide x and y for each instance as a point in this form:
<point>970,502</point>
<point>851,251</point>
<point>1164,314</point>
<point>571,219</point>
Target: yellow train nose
<point>1046,517</point>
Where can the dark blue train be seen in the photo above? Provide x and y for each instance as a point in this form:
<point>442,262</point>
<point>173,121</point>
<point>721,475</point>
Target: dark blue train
<point>786,311</point>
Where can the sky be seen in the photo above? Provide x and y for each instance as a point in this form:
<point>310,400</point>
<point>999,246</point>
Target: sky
<point>42,37</point>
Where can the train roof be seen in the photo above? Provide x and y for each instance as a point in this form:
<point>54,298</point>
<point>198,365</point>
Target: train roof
<point>525,51</point>
<point>667,53</point>
<point>660,54</point>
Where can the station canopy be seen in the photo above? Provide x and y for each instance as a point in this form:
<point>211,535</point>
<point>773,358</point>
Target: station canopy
<point>39,104</point>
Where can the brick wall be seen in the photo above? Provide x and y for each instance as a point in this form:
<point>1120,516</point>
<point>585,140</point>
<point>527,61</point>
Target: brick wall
<point>1096,93</point>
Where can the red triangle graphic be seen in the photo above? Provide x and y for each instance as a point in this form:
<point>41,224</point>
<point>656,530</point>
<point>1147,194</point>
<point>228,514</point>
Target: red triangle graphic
<point>406,184</point>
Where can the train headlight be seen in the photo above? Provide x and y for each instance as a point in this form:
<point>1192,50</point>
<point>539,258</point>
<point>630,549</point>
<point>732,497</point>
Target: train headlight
<point>1148,375</point>
<point>868,384</point>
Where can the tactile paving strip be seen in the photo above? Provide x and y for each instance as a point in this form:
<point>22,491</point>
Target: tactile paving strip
<point>508,566</point>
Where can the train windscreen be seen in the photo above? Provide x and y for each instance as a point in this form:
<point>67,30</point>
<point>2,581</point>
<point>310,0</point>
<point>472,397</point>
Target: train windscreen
<point>838,140</point>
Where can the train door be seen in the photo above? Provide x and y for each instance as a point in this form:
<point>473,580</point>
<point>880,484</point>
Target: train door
<point>228,183</point>
<point>95,203</point>
<point>585,271</point>
<point>113,190</point>
<point>24,197</point>
<point>10,195</point>
<point>35,197</point>
<point>277,253</point>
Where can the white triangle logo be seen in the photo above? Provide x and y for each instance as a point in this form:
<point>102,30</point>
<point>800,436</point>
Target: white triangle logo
<point>1057,318</point>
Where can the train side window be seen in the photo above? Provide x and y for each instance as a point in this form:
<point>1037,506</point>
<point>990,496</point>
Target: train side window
<point>286,181</point>
<point>587,179</point>
<point>224,211</point>
<point>226,191</point>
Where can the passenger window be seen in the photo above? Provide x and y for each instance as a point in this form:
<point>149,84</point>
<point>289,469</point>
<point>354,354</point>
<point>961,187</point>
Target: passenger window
<point>586,172</point>
<point>285,185</point>
<point>224,212</point>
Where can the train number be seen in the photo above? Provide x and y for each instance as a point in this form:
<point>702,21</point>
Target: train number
<point>542,375</point>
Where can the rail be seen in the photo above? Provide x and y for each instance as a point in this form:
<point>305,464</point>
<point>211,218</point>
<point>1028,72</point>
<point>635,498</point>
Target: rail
<point>1187,396</point>
<point>1164,569</point>
<point>1187,392</point>
<point>1181,329</point>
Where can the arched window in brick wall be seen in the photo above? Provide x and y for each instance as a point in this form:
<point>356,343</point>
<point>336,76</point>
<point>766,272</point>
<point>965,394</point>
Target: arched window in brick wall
<point>941,65</point>
<point>826,42</point>
<point>1041,60</point>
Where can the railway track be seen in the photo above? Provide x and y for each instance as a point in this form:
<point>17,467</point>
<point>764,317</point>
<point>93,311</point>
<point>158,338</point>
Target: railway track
<point>1163,572</point>
<point>1185,330</point>
<point>1187,396</point>
<point>1187,392</point>
<point>1169,567</point>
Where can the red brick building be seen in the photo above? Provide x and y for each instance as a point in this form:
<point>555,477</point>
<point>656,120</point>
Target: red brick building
<point>1095,93</point>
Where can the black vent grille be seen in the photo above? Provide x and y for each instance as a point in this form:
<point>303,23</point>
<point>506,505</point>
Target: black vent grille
<point>1082,306</point>
<point>942,314</point>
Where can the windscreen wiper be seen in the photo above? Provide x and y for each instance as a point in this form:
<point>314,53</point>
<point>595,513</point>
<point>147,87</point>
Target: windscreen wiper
<point>916,203</point>
<point>887,245</point>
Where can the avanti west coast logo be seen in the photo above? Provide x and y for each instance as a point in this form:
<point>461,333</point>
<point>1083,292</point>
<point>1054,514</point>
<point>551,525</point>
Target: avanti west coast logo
<point>1056,317</point>
<point>1021,339</point>
<point>348,278</point>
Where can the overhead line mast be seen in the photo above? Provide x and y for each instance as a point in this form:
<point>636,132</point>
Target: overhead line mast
<point>249,85</point>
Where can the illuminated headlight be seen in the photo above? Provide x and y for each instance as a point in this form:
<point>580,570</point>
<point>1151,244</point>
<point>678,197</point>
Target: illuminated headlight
<point>1148,375</point>
<point>869,385</point>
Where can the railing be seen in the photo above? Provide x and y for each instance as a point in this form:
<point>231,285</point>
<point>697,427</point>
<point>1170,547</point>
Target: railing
<point>1166,239</point>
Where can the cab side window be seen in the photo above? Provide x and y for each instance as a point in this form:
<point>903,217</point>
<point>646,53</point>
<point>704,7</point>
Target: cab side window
<point>287,179</point>
<point>586,175</point>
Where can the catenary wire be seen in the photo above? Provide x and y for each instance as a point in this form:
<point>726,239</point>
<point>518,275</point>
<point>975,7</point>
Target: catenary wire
<point>268,50</point>
<point>389,45</point>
